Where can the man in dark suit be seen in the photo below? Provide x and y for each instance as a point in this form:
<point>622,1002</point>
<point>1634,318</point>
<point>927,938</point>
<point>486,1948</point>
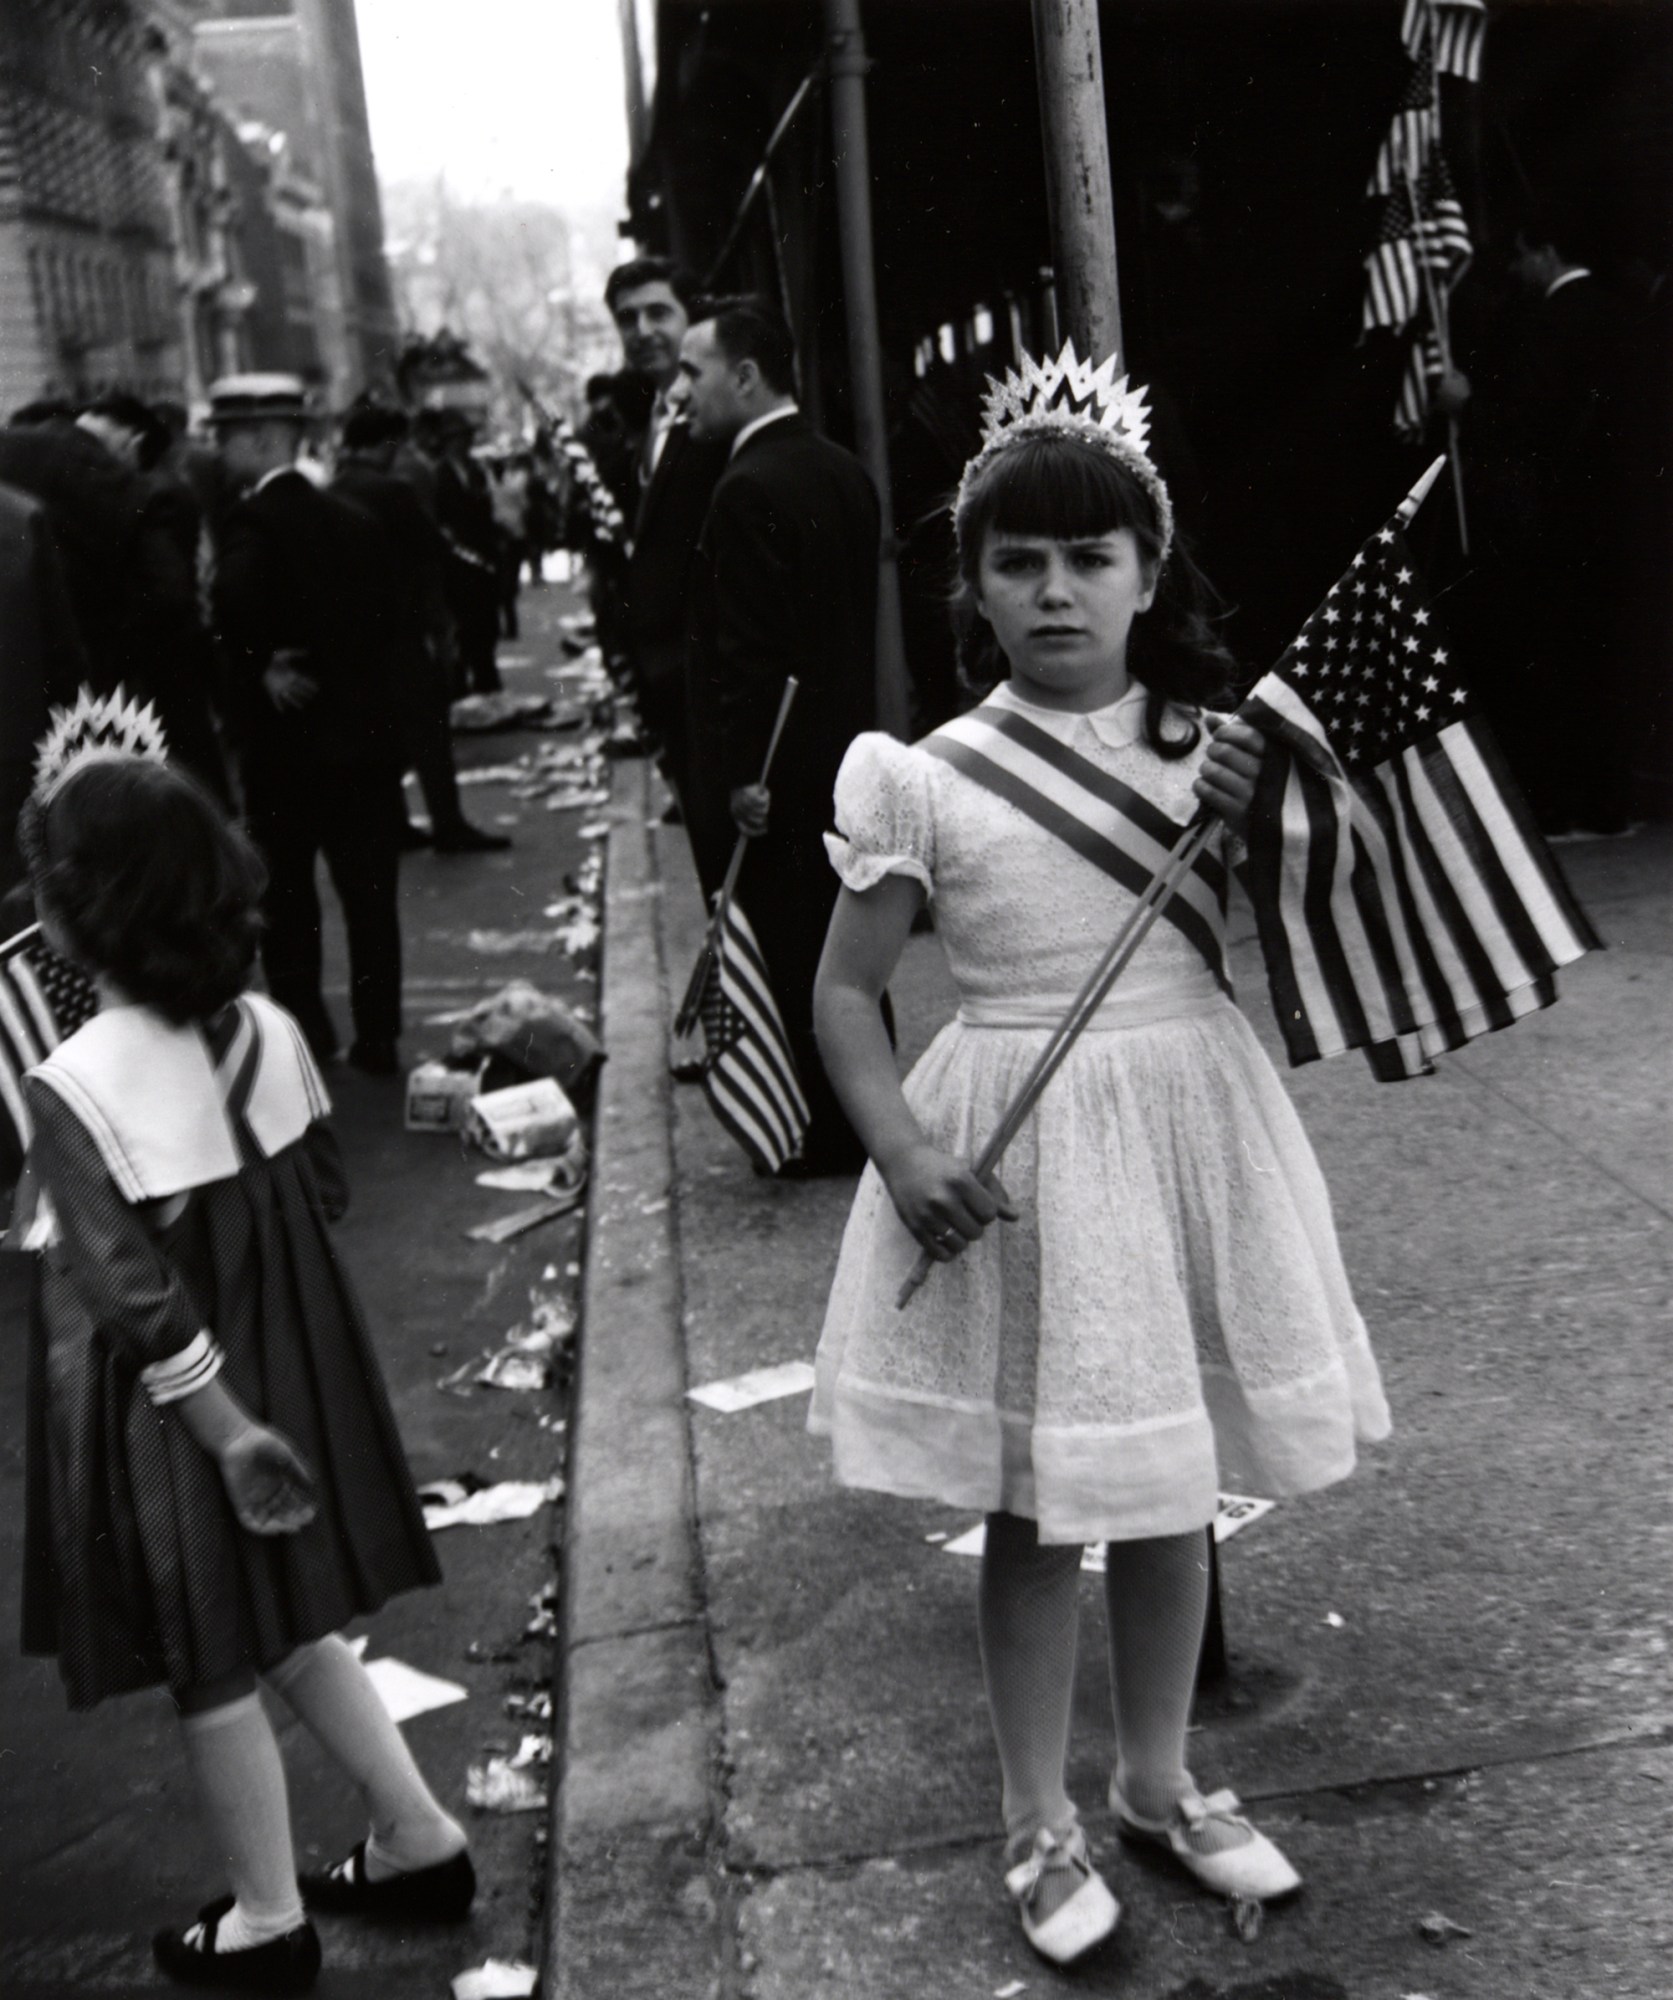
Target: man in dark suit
<point>786,584</point>
<point>372,434</point>
<point>41,665</point>
<point>303,592</point>
<point>650,299</point>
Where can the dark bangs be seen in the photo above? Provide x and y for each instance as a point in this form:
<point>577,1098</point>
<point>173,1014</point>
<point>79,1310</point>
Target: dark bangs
<point>1055,485</point>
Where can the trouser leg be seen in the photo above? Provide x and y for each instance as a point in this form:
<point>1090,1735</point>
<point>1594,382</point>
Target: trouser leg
<point>284,824</point>
<point>361,851</point>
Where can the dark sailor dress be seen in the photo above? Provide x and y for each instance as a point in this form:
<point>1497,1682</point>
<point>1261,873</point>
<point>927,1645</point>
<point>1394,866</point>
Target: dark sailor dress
<point>182,1182</point>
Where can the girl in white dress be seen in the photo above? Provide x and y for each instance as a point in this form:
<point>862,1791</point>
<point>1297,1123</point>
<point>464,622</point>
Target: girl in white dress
<point>1152,1304</point>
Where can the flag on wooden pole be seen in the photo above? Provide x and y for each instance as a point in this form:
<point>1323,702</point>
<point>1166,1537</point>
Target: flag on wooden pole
<point>749,1074</point>
<point>1406,902</point>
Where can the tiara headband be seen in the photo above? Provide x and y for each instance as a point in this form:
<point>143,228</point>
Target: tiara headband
<point>1068,397</point>
<point>94,730</point>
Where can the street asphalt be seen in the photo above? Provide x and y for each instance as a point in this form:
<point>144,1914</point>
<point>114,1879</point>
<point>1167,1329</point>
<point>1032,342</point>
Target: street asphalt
<point>1449,1693</point>
<point>98,1841</point>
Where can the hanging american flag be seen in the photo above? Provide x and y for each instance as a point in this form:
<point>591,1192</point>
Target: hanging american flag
<point>1405,901</point>
<point>1413,131</point>
<point>1452,30</point>
<point>1421,225</point>
<point>749,1073</point>
<point>43,1000</point>
<point>1424,366</point>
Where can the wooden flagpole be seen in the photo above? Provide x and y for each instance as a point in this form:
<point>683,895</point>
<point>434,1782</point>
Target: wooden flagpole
<point>692,1005</point>
<point>1443,340</point>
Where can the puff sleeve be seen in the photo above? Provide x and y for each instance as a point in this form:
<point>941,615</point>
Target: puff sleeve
<point>884,814</point>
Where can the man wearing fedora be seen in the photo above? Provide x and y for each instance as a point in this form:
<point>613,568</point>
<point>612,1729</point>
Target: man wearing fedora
<point>304,610</point>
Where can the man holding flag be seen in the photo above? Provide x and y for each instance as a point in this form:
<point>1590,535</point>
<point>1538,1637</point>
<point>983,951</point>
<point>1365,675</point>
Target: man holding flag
<point>785,585</point>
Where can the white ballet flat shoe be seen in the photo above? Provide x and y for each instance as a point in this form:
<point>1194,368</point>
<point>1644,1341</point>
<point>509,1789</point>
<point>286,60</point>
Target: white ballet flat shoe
<point>1083,1919</point>
<point>1253,1871</point>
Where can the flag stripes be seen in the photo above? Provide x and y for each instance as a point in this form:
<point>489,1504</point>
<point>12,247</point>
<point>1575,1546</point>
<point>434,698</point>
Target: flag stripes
<point>1423,371</point>
<point>1453,31</point>
<point>1404,898</point>
<point>750,1075</point>
<point>42,1000</point>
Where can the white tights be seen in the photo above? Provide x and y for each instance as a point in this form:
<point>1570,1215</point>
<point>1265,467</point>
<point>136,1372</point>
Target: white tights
<point>1028,1616</point>
<point>240,1781</point>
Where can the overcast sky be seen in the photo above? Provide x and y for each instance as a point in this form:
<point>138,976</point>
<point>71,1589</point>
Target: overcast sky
<point>520,97</point>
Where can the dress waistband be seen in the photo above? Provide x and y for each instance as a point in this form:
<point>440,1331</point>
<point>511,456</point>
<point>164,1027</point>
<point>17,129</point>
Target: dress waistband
<point>1179,1002</point>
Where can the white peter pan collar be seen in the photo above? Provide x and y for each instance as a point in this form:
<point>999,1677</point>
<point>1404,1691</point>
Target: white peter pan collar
<point>1116,725</point>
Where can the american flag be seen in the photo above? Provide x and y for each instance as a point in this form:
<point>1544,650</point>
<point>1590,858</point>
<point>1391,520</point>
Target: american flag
<point>43,1000</point>
<point>749,1075</point>
<point>1420,224</point>
<point>1452,30</point>
<point>1424,364</point>
<point>1412,133</point>
<point>1405,901</point>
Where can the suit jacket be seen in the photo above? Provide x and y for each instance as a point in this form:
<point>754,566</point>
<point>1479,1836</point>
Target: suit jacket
<point>41,659</point>
<point>135,601</point>
<point>656,592</point>
<point>309,573</point>
<point>786,583</point>
<point>417,550</point>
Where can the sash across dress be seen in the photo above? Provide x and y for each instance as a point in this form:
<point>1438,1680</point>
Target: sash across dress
<point>1170,1315</point>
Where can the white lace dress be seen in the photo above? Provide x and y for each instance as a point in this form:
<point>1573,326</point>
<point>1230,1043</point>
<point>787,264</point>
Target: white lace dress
<point>1170,1315</point>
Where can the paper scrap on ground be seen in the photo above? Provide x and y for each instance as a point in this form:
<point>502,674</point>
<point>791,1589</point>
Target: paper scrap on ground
<point>1237,1510</point>
<point>510,1370</point>
<point>511,1500</point>
<point>521,1177</point>
<point>499,1786</point>
<point>406,1692</point>
<point>759,1385</point>
<point>504,1227</point>
<point>1011,1991</point>
<point>495,1979</point>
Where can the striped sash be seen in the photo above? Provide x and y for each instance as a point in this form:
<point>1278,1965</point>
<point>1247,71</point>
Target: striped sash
<point>1106,822</point>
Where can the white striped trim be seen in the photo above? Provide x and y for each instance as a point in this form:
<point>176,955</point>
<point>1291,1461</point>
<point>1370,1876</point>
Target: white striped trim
<point>1105,819</point>
<point>183,1374</point>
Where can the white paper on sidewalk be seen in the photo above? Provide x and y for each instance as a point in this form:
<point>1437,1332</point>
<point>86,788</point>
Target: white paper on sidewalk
<point>1236,1511</point>
<point>521,1177</point>
<point>498,1786</point>
<point>495,1979</point>
<point>759,1385</point>
<point>511,1500</point>
<point>406,1692</point>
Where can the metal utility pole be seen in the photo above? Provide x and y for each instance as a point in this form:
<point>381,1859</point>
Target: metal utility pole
<point>848,67</point>
<point>1070,64</point>
<point>633,77</point>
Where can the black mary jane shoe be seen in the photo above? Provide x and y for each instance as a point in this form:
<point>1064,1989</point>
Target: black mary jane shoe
<point>288,1964</point>
<point>438,1895</point>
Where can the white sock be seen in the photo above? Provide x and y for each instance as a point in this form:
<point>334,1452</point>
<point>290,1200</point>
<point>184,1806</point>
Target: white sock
<point>334,1696</point>
<point>240,1783</point>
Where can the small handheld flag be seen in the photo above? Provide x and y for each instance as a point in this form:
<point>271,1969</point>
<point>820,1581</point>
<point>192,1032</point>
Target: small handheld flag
<point>749,1072</point>
<point>1405,900</point>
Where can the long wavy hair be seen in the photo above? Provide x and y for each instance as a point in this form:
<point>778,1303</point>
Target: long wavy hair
<point>142,878</point>
<point>1072,490</point>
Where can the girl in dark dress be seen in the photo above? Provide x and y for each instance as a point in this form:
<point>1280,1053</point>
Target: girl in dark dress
<point>216,1484</point>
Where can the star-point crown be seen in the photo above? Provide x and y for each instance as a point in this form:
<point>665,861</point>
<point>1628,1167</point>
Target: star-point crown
<point>1063,393</point>
<point>93,728</point>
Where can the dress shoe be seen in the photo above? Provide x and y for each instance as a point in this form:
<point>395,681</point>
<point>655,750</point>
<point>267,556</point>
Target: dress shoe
<point>439,1895</point>
<point>288,1964</point>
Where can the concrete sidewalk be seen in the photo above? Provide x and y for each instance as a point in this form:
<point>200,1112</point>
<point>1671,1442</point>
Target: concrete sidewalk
<point>1449,1690</point>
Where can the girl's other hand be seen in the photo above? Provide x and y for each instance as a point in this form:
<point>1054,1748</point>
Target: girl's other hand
<point>267,1481</point>
<point>1226,782</point>
<point>941,1201</point>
